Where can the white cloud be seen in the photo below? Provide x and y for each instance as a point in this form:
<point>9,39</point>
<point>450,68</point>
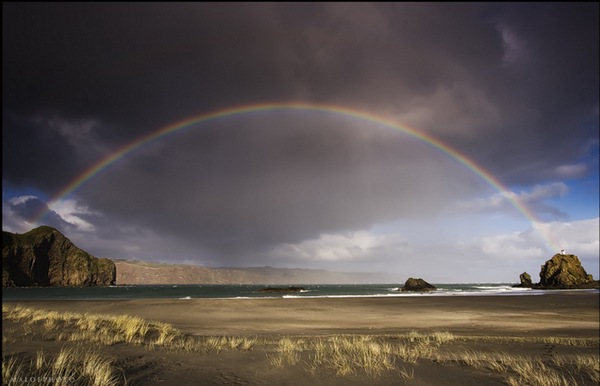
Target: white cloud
<point>20,200</point>
<point>534,200</point>
<point>540,192</point>
<point>512,246</point>
<point>71,211</point>
<point>529,249</point>
<point>577,237</point>
<point>491,257</point>
<point>571,171</point>
<point>339,247</point>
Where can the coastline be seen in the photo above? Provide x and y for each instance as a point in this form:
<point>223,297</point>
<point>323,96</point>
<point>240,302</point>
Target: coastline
<point>573,312</point>
<point>254,291</point>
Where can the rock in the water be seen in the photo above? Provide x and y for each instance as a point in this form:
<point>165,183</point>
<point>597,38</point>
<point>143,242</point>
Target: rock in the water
<point>417,285</point>
<point>564,271</point>
<point>525,281</point>
<point>45,257</point>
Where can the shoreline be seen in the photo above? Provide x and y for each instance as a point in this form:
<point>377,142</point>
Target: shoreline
<point>225,291</point>
<point>559,313</point>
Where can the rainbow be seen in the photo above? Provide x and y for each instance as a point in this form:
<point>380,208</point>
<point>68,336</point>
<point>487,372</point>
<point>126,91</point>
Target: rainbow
<point>112,158</point>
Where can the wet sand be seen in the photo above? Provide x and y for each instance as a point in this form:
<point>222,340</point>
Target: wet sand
<point>574,313</point>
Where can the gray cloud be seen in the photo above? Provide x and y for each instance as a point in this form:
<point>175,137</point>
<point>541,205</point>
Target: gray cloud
<point>512,86</point>
<point>137,67</point>
<point>241,186</point>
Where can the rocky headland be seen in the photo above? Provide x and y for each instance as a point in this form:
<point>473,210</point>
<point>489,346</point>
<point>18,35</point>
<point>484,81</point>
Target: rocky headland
<point>45,257</point>
<point>562,271</point>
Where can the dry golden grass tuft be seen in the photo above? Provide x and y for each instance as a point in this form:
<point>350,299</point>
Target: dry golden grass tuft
<point>288,353</point>
<point>533,371</point>
<point>71,366</point>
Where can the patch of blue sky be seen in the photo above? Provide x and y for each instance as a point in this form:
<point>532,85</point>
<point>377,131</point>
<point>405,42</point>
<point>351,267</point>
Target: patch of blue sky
<point>9,192</point>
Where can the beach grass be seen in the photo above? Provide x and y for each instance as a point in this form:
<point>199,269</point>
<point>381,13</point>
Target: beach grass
<point>534,371</point>
<point>373,355</point>
<point>73,365</point>
<point>83,362</point>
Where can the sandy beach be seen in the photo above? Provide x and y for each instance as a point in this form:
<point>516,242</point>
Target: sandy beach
<point>574,313</point>
<point>526,319</point>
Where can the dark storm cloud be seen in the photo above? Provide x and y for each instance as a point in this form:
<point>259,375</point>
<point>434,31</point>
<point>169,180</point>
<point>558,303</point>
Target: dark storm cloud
<point>136,67</point>
<point>34,154</point>
<point>139,64</point>
<point>510,85</point>
<point>549,89</point>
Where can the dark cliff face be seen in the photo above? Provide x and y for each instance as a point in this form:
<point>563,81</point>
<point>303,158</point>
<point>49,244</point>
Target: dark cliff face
<point>45,257</point>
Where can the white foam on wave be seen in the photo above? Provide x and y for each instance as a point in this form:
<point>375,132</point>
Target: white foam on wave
<point>501,292</point>
<point>500,289</point>
<point>392,295</point>
<point>494,287</point>
<point>185,298</point>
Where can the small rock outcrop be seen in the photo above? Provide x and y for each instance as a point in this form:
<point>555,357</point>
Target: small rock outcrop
<point>525,281</point>
<point>418,285</point>
<point>564,271</point>
<point>45,257</point>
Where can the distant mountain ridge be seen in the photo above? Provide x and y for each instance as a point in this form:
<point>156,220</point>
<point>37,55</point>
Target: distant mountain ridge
<point>141,272</point>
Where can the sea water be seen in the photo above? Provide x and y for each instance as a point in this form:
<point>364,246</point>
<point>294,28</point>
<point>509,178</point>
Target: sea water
<point>246,291</point>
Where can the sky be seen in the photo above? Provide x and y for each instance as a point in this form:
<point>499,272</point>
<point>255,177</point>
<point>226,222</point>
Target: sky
<point>453,142</point>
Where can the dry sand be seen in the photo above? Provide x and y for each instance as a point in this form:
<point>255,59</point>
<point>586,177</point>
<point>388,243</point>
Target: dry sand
<point>572,314</point>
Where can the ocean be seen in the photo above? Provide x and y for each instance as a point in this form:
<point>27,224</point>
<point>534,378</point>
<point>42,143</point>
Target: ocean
<point>246,291</point>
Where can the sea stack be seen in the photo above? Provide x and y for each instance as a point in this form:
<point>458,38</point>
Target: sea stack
<point>417,285</point>
<point>562,271</point>
<point>525,281</point>
<point>565,271</point>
